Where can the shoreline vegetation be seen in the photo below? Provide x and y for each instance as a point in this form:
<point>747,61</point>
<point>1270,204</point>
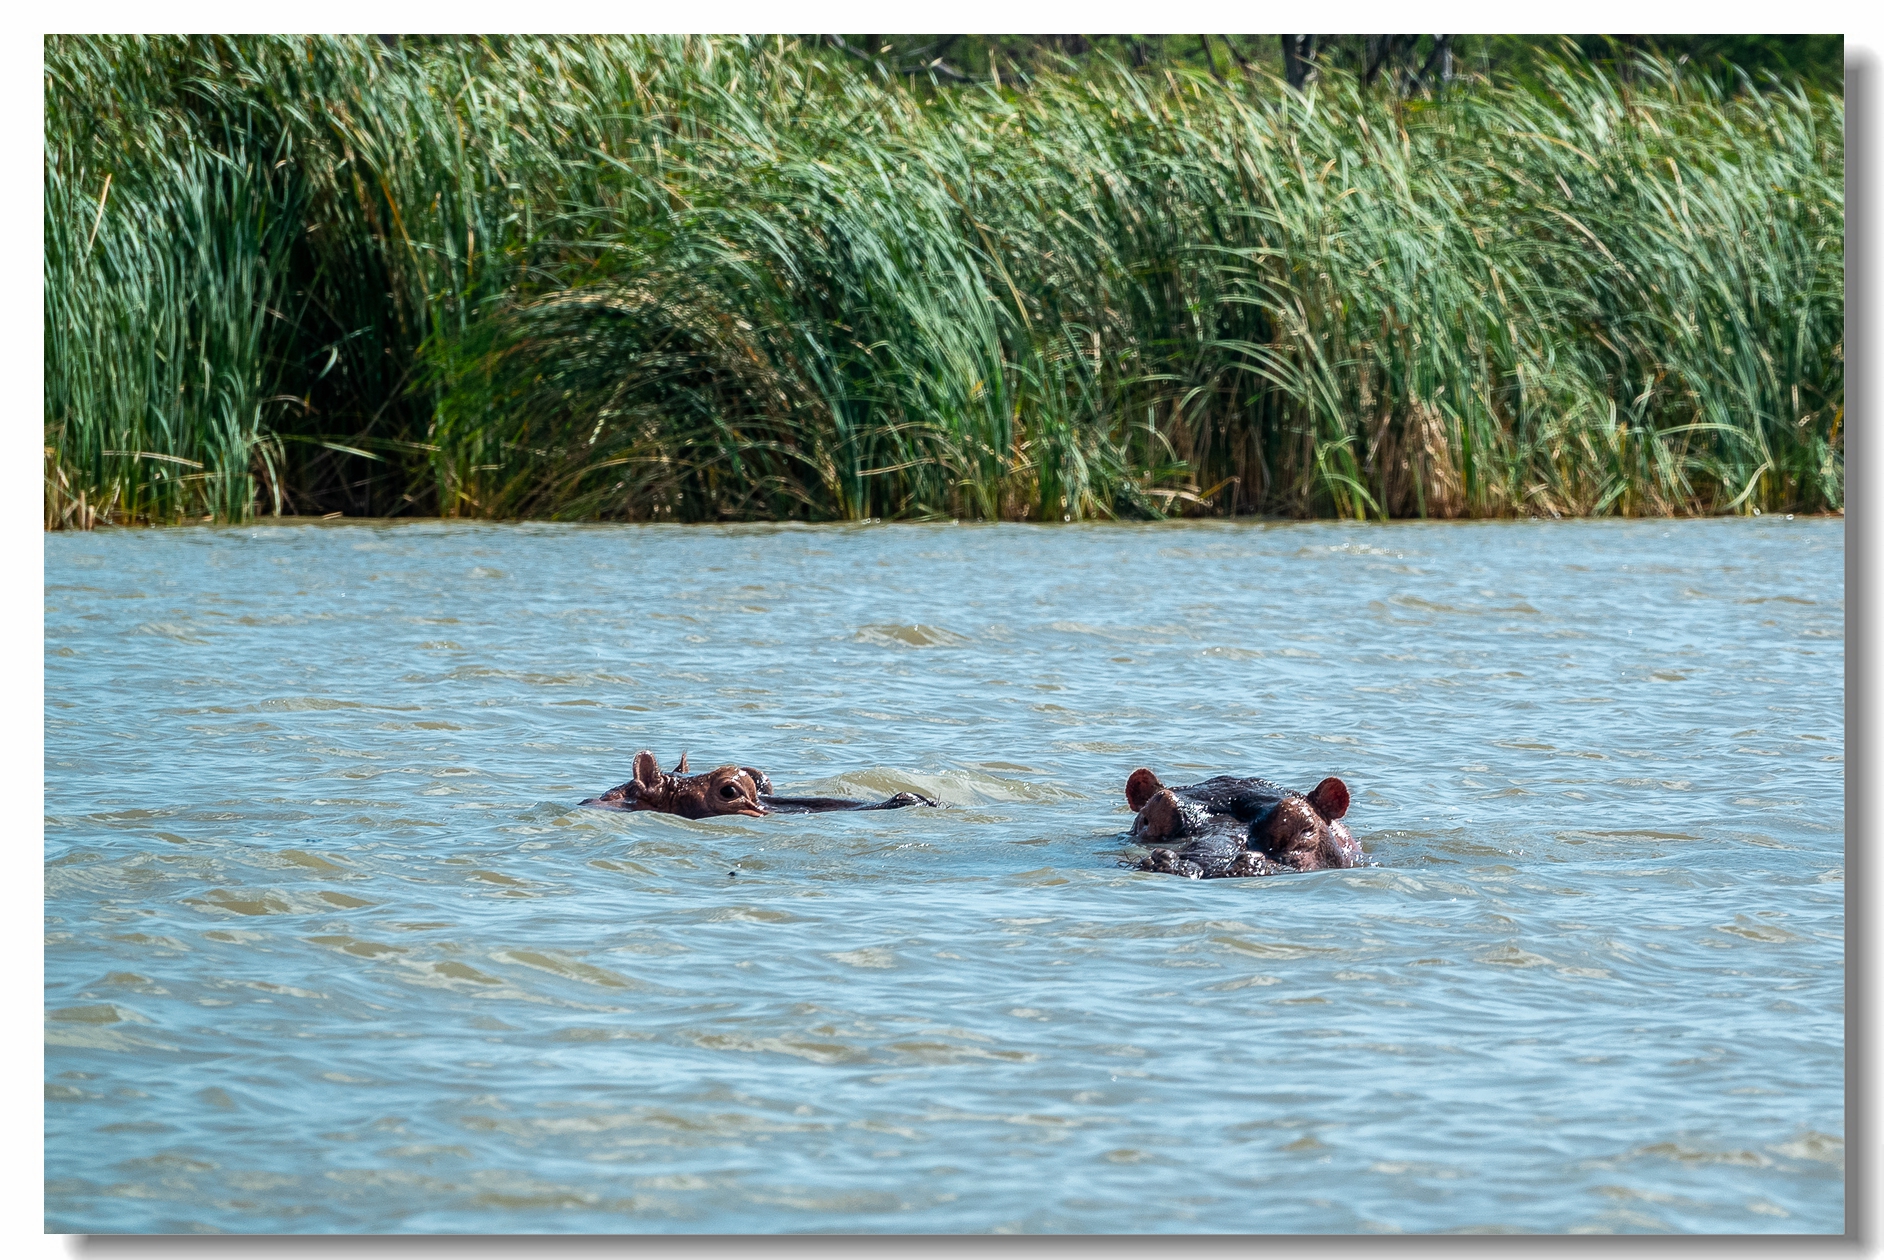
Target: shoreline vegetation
<point>695,279</point>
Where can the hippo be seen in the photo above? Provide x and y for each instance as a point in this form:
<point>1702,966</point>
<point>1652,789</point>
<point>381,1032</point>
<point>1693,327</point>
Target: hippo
<point>1233,828</point>
<point>727,790</point>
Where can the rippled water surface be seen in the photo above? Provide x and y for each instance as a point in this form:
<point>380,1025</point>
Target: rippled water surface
<point>330,947</point>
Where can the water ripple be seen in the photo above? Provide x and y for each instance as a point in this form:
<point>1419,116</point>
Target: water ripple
<point>329,947</point>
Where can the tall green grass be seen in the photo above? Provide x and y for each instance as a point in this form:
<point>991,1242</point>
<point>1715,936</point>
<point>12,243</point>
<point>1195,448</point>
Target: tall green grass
<point>708,278</point>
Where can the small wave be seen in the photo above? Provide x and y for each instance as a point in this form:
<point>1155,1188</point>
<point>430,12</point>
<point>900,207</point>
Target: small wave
<point>169,630</point>
<point>910,636</point>
<point>568,968</point>
<point>873,957</point>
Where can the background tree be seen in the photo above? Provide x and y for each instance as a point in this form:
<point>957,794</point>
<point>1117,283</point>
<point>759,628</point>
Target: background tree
<point>1404,63</point>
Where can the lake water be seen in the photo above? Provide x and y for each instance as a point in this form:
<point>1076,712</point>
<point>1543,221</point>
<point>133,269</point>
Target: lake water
<point>330,947</point>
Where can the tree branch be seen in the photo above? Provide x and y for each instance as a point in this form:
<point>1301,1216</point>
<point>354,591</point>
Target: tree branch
<point>1442,45</point>
<point>1210,58</point>
<point>1242,63</point>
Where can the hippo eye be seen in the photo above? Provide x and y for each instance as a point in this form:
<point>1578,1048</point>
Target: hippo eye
<point>728,790</point>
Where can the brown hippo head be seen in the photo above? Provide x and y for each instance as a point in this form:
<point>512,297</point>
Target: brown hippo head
<point>727,790</point>
<point>1306,832</point>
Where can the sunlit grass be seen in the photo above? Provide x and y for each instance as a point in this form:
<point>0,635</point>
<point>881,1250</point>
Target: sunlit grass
<point>705,279</point>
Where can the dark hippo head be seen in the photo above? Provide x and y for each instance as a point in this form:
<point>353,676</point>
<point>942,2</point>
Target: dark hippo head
<point>1306,832</point>
<point>1227,824</point>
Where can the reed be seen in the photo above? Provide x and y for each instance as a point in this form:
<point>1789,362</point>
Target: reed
<point>707,279</point>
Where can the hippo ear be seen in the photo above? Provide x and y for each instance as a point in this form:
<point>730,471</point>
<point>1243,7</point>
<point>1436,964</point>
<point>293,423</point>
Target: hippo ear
<point>680,767</point>
<point>1330,798</point>
<point>647,770</point>
<point>1141,787</point>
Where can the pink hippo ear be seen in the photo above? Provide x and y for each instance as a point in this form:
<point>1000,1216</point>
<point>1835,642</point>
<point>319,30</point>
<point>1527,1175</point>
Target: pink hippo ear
<point>680,767</point>
<point>647,770</point>
<point>1330,798</point>
<point>1141,787</point>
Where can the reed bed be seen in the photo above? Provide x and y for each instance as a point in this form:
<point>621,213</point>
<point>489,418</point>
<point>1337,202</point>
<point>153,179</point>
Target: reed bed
<point>701,279</point>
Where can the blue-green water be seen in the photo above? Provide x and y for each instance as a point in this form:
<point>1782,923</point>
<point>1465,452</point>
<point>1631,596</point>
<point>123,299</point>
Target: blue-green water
<point>329,947</point>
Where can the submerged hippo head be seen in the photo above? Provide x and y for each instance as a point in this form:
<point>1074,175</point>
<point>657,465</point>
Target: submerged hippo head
<point>727,790</point>
<point>1234,826</point>
<point>1306,832</point>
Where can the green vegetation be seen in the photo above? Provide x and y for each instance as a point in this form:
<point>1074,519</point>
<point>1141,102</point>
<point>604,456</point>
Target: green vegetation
<point>699,279</point>
<point>1814,60</point>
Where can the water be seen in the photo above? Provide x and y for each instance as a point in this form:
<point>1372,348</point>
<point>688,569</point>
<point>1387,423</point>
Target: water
<point>330,949</point>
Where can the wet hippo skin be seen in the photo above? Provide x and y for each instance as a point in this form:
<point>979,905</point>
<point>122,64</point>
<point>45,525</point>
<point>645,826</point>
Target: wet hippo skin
<point>1231,828</point>
<point>727,790</point>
